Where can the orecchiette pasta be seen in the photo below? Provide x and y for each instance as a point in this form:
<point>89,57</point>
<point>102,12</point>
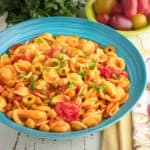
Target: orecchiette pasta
<point>61,83</point>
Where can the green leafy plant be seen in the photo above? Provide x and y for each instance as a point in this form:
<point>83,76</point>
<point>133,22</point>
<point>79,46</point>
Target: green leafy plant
<point>20,10</point>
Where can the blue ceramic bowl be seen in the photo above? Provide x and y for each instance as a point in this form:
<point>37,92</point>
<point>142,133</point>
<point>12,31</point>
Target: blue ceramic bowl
<point>86,29</point>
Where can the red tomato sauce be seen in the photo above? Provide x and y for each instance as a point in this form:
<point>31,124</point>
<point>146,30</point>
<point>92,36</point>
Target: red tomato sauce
<point>67,110</point>
<point>107,72</point>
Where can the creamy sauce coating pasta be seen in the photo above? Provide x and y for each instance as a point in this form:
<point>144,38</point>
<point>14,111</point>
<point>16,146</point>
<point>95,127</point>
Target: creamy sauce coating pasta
<point>61,83</point>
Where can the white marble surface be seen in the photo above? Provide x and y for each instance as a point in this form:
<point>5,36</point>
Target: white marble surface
<point>13,140</point>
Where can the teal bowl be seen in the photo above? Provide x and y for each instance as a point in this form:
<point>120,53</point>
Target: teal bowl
<point>97,32</point>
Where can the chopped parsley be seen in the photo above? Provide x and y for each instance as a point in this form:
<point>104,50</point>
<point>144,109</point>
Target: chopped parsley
<point>43,92</point>
<point>82,72</point>
<point>55,85</point>
<point>51,95</point>
<point>72,85</point>
<point>33,84</point>
<point>24,78</point>
<point>102,89</point>
<point>99,88</point>
<point>92,64</point>
<point>46,69</point>
<point>81,94</point>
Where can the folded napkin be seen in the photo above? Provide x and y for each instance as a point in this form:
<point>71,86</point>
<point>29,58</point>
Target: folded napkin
<point>133,131</point>
<point>118,136</point>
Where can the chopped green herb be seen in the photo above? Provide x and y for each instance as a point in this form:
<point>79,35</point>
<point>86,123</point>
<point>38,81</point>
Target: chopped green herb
<point>43,92</point>
<point>102,89</point>
<point>19,10</point>
<point>81,94</point>
<point>99,88</point>
<point>51,95</point>
<point>23,78</point>
<point>96,87</point>
<point>33,84</point>
<point>72,85</point>
<point>92,64</point>
<point>55,85</point>
<point>82,72</point>
<point>46,69</point>
<point>81,56</point>
<point>47,101</point>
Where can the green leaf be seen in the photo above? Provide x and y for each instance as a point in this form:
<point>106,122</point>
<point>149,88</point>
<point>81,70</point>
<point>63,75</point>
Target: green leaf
<point>92,64</point>
<point>46,69</point>
<point>102,89</point>
<point>51,95</point>
<point>82,72</point>
<point>55,85</point>
<point>72,85</point>
<point>99,88</point>
<point>81,94</point>
<point>33,84</point>
<point>43,92</point>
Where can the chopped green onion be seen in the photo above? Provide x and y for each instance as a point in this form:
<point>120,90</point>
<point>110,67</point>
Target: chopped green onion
<point>82,72</point>
<point>55,85</point>
<point>43,92</point>
<point>92,64</point>
<point>72,85</point>
<point>96,87</point>
<point>99,88</point>
<point>102,89</point>
<point>46,69</point>
<point>33,84</point>
<point>81,94</point>
<point>51,95</point>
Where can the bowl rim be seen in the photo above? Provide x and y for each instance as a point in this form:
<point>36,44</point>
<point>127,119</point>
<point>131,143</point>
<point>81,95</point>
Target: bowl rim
<point>12,31</point>
<point>89,12</point>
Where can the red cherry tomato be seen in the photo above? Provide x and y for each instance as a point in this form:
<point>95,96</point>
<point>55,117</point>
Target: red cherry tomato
<point>103,18</point>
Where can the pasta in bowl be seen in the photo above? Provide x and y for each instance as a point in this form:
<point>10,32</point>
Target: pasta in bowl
<point>61,83</point>
<point>128,62</point>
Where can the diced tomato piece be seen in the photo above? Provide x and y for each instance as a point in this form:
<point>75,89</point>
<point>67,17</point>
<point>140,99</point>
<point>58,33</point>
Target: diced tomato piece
<point>55,49</point>
<point>49,53</point>
<point>70,54</point>
<point>16,57</point>
<point>68,111</point>
<point>21,105</point>
<point>16,98</point>
<point>48,91</point>
<point>35,91</point>
<point>77,88</point>
<point>121,73</point>
<point>28,57</point>
<point>107,72</point>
